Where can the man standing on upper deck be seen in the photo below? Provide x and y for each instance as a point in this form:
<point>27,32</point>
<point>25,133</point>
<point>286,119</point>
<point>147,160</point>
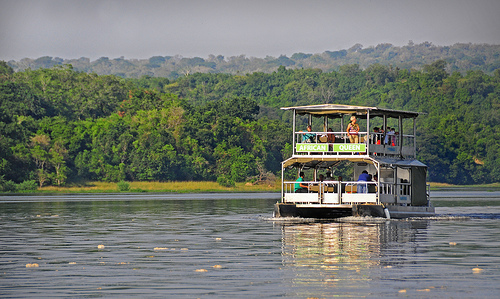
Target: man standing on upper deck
<point>353,130</point>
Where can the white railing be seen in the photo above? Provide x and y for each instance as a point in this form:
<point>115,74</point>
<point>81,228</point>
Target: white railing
<point>376,143</point>
<point>330,192</point>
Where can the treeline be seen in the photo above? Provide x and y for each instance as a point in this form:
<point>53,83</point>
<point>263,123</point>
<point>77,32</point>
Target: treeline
<point>59,125</point>
<point>459,57</point>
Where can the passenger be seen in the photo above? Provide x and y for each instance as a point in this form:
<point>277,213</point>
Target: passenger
<point>321,178</point>
<point>329,179</point>
<point>308,137</point>
<point>376,135</point>
<point>393,136</point>
<point>330,136</point>
<point>353,130</point>
<point>335,188</point>
<point>363,177</point>
<point>387,138</point>
<point>299,186</point>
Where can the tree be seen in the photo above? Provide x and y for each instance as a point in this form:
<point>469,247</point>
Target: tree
<point>40,145</point>
<point>5,69</point>
<point>57,156</point>
<point>435,72</point>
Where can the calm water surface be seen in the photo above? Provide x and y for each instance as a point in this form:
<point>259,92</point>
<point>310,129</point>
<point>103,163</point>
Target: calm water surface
<point>227,246</point>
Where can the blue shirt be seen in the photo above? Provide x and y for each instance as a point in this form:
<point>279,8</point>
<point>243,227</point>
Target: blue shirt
<point>364,177</point>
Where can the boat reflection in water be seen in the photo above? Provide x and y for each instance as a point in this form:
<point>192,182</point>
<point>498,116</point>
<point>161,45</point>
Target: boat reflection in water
<point>347,258</point>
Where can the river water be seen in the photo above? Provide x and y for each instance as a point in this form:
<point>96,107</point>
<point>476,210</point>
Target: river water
<point>228,246</point>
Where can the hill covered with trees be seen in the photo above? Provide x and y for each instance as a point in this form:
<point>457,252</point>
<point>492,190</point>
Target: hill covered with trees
<point>459,57</point>
<point>60,124</point>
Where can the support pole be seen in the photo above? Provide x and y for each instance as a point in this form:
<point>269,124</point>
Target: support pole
<point>342,135</point>
<point>282,183</point>
<point>414,137</point>
<point>383,135</point>
<point>293,132</point>
<point>367,138</point>
<point>400,136</point>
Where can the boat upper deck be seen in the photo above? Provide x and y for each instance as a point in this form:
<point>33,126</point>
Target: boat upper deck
<point>320,131</point>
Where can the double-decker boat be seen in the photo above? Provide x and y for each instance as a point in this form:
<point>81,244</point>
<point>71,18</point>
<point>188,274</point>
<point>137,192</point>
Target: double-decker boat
<point>381,175</point>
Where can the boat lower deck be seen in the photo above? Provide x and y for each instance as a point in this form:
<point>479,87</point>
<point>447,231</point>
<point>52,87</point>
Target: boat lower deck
<point>338,211</point>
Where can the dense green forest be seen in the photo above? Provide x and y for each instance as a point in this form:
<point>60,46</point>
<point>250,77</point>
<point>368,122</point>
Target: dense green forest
<point>459,57</point>
<point>59,125</point>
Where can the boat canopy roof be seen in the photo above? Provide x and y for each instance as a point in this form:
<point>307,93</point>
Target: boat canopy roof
<point>325,162</point>
<point>401,163</point>
<point>336,110</point>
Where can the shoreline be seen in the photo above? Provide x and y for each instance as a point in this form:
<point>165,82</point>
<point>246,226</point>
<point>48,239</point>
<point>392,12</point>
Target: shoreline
<point>159,187</point>
<point>198,187</point>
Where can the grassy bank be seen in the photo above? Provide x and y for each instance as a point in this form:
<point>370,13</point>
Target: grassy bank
<point>205,186</point>
<point>438,186</point>
<point>173,187</point>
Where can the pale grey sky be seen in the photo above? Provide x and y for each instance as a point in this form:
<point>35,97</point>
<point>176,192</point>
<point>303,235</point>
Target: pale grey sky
<point>255,28</point>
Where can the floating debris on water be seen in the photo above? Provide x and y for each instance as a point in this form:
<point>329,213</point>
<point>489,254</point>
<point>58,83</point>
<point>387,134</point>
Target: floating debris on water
<point>100,246</point>
<point>402,291</point>
<point>72,263</point>
<point>201,270</point>
<point>477,270</point>
<point>453,243</point>
<point>218,239</point>
<point>217,266</point>
<point>160,248</point>
<point>33,265</point>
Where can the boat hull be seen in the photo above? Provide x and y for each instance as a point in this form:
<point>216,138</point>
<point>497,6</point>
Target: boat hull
<point>292,210</point>
<point>363,210</point>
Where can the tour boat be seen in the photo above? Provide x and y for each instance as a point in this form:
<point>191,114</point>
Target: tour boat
<point>323,150</point>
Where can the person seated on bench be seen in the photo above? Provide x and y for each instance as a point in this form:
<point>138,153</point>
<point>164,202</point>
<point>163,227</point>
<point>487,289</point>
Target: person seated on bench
<point>299,186</point>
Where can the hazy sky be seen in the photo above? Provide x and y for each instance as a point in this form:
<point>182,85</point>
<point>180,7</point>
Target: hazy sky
<point>255,28</point>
